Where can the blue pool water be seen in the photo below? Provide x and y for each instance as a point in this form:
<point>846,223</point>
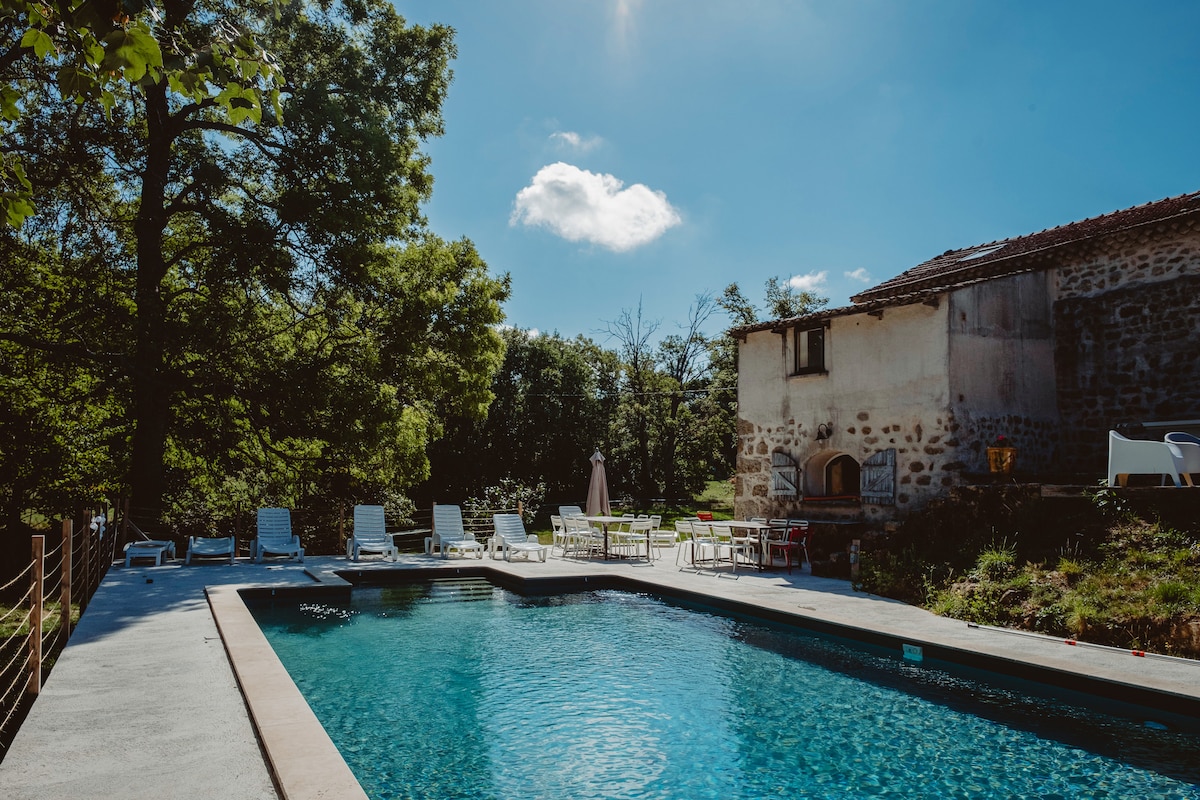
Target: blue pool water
<point>464,690</point>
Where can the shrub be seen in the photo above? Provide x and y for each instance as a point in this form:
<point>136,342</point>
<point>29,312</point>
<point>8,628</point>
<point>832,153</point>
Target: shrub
<point>996,564</point>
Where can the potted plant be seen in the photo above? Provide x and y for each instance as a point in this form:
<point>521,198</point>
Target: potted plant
<point>1002,456</point>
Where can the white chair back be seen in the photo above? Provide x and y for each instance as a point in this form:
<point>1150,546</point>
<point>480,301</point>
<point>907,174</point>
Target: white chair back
<point>274,526</point>
<point>370,525</point>
<point>448,522</point>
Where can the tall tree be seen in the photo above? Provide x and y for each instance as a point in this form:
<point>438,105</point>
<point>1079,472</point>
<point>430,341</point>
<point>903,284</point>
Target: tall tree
<point>634,335</point>
<point>287,322</point>
<point>684,360</point>
<point>547,416</point>
<point>97,47</point>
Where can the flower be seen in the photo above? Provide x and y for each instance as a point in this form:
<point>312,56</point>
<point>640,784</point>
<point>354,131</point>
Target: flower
<point>1001,441</point>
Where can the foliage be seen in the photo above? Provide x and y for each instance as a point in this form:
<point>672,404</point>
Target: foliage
<point>509,494</point>
<point>207,53</point>
<point>1110,503</point>
<point>217,314</point>
<point>996,563</point>
<point>554,400</point>
<point>1132,583</point>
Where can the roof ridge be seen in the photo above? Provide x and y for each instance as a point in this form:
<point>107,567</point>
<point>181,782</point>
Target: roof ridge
<point>953,265</point>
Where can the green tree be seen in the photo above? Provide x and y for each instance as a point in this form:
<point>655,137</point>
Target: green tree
<point>684,361</point>
<point>547,417</point>
<point>282,324</point>
<point>634,335</point>
<point>205,52</point>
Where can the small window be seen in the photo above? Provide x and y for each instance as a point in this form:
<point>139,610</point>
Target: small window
<point>809,351</point>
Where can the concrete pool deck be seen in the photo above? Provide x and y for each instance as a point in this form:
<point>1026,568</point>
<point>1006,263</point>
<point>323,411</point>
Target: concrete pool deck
<point>148,701</point>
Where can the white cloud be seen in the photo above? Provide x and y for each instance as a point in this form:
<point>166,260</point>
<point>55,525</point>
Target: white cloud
<point>570,140</point>
<point>812,282</point>
<point>860,275</point>
<point>582,206</point>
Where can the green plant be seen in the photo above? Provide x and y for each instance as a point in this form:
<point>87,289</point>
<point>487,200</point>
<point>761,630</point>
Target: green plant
<point>1171,593</point>
<point>1070,569</point>
<point>507,495</point>
<point>997,563</point>
<point>1109,503</point>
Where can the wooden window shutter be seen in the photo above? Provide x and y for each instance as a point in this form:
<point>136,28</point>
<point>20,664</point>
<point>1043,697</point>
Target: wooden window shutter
<point>877,478</point>
<point>785,475</point>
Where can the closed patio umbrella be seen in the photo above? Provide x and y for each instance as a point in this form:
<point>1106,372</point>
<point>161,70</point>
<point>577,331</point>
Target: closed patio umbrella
<point>597,497</point>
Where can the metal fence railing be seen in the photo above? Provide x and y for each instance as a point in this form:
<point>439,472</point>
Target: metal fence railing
<point>44,599</point>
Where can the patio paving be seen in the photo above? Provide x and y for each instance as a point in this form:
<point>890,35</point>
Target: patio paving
<point>144,702</point>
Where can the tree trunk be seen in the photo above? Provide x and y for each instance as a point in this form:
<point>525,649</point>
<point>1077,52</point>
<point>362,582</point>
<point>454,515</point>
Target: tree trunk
<point>151,389</point>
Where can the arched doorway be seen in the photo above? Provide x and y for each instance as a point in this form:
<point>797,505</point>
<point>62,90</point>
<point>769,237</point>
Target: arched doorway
<point>832,474</point>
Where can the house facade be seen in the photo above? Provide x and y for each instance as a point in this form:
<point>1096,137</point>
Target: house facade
<point>1047,340</point>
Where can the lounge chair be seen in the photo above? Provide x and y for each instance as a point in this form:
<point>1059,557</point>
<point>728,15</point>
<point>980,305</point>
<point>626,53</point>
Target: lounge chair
<point>370,534</point>
<point>1136,457</point>
<point>275,536</point>
<point>145,547</point>
<point>510,538</point>
<point>449,535</point>
<point>211,547</point>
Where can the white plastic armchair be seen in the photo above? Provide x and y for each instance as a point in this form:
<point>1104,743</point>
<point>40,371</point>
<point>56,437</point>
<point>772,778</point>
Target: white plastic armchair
<point>1135,457</point>
<point>274,536</point>
<point>370,534</point>
<point>1189,449</point>
<point>510,537</point>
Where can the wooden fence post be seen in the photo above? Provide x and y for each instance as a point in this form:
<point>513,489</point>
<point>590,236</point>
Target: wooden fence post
<point>35,615</point>
<point>85,559</point>
<point>65,611</point>
<point>342,524</point>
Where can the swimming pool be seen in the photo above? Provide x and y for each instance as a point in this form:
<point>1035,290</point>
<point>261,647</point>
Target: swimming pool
<point>461,689</point>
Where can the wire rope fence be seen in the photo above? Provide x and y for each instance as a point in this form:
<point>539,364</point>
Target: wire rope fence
<point>42,602</point>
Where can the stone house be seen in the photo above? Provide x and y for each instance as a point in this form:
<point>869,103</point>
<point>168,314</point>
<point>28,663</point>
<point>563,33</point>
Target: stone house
<point>1048,340</point>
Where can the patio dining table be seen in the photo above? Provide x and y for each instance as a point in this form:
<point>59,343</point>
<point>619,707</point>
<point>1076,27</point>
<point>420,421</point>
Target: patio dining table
<point>604,520</point>
<point>759,529</point>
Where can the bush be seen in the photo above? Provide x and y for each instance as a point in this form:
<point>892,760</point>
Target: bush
<point>996,564</point>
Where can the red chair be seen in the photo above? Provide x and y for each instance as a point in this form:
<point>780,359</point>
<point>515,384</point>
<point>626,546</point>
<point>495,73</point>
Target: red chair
<point>796,542</point>
<point>704,516</point>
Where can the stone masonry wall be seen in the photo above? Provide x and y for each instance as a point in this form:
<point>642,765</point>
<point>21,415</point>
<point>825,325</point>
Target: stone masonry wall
<point>1129,355</point>
<point>929,456</point>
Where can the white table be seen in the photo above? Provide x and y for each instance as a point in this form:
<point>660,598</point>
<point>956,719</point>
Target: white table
<point>604,520</point>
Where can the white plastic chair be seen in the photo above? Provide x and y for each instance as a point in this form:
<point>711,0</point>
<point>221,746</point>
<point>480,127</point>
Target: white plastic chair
<point>211,547</point>
<point>370,535</point>
<point>449,535</point>
<point>510,538</point>
<point>274,536</point>
<point>1189,448</point>
<point>145,547</point>
<point>1135,457</point>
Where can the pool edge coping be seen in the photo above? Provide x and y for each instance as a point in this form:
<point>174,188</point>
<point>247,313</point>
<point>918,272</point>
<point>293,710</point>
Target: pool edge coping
<point>301,758</point>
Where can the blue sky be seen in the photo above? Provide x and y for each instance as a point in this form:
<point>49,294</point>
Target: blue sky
<point>607,153</point>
